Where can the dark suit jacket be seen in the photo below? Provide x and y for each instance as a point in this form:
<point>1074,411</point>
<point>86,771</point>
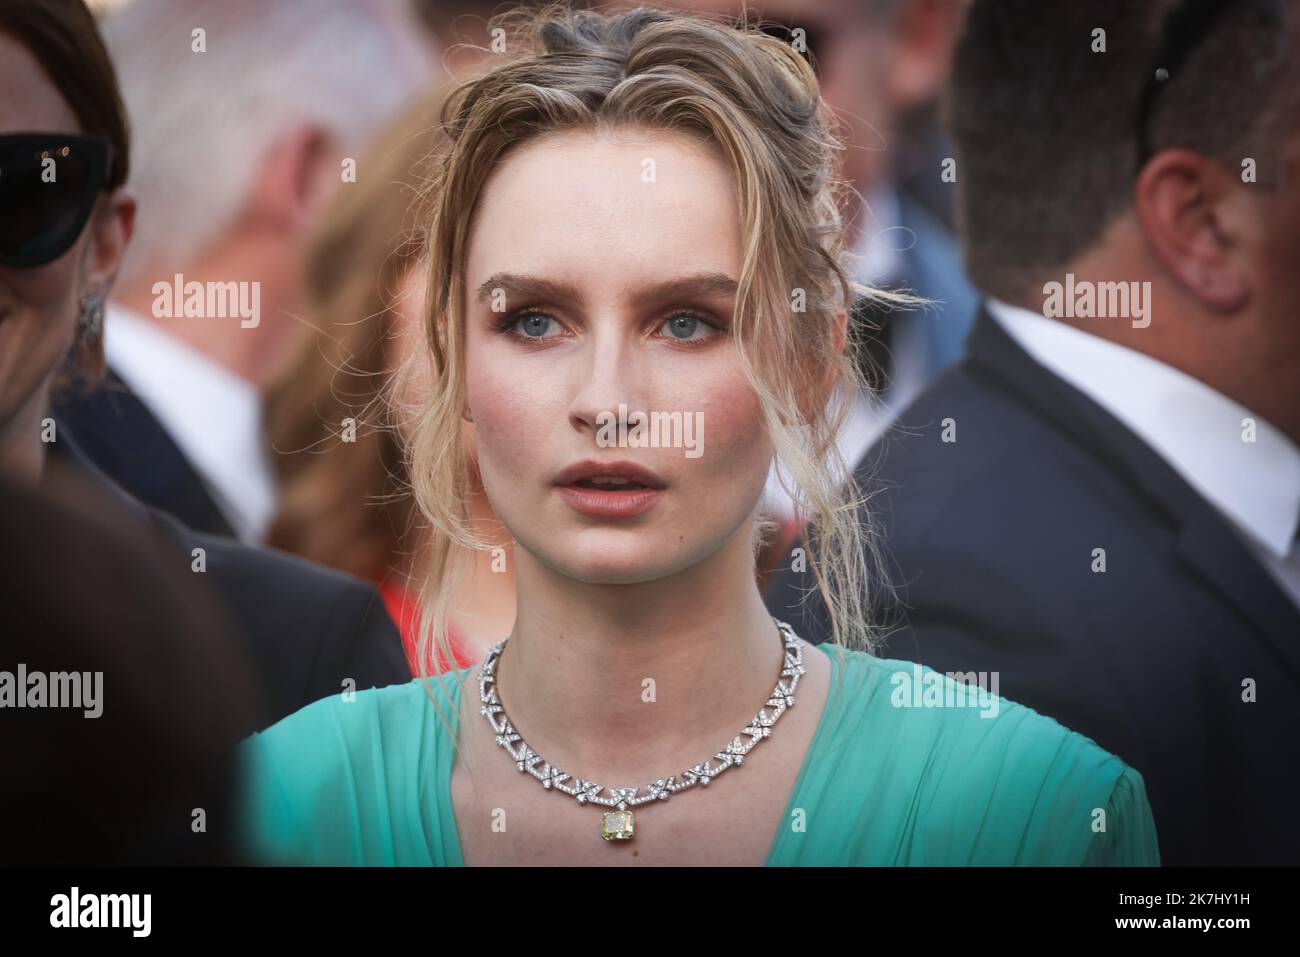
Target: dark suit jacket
<point>122,437</point>
<point>306,628</point>
<point>990,541</point>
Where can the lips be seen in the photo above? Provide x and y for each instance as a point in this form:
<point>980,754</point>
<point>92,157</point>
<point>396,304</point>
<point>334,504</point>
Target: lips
<point>609,483</point>
<point>620,476</point>
<point>609,490</point>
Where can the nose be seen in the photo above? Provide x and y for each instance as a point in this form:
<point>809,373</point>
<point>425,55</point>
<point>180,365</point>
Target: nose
<point>611,371</point>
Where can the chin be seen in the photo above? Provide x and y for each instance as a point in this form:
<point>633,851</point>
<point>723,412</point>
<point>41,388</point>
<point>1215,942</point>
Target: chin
<point>627,563</point>
<point>613,577</point>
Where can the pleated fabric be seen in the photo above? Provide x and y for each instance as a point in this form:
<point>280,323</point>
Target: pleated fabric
<point>891,777</point>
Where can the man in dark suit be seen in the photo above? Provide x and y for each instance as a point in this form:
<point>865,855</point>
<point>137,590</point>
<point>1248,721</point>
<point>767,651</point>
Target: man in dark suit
<point>117,431</point>
<point>179,421</point>
<point>1100,503</point>
<point>307,631</point>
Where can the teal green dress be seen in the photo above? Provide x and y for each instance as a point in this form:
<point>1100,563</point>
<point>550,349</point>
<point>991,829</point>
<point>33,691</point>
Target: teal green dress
<point>891,777</point>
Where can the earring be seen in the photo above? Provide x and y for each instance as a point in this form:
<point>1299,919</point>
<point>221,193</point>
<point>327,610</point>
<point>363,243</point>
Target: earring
<point>90,324</point>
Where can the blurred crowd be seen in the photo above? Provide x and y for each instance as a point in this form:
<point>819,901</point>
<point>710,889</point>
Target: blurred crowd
<point>1101,507</point>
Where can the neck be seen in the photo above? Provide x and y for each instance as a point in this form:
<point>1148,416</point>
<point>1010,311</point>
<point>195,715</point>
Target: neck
<point>1266,382</point>
<point>249,346</point>
<point>22,452</point>
<point>624,682</point>
<point>1236,354</point>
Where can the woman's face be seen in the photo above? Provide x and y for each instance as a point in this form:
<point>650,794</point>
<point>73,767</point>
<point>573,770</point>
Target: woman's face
<point>39,306</point>
<point>598,270</point>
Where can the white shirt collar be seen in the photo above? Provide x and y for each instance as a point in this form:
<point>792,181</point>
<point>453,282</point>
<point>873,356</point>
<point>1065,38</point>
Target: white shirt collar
<point>213,415</point>
<point>1197,430</point>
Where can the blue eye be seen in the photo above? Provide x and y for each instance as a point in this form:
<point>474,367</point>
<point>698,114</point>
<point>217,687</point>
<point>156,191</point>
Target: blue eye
<point>684,327</point>
<point>534,324</point>
<point>526,325</point>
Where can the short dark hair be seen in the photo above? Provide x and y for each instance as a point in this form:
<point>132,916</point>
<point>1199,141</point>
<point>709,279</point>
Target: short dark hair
<point>1045,129</point>
<point>63,37</point>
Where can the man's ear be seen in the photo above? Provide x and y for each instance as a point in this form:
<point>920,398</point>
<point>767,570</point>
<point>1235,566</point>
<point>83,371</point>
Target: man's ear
<point>1201,224</point>
<point>111,226</point>
<point>296,176</point>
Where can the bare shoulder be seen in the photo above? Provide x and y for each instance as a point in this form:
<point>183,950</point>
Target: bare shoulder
<point>815,682</point>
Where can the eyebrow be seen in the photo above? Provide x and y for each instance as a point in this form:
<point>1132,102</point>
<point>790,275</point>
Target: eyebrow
<point>524,288</point>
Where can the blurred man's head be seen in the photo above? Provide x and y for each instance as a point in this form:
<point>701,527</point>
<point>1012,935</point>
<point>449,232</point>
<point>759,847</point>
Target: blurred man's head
<point>1053,180</point>
<point>876,60</point>
<point>243,113</point>
<point>454,22</point>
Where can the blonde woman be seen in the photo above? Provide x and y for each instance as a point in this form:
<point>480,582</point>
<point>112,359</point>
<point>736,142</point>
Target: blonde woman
<point>637,213</point>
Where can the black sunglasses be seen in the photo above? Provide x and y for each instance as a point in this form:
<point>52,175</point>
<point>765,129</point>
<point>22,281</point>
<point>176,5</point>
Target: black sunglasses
<point>1184,31</point>
<point>48,186</point>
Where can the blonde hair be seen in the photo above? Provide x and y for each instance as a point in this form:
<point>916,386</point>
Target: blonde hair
<point>756,101</point>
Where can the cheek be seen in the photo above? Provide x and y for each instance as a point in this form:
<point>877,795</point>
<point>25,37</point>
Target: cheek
<point>46,307</point>
<point>47,290</point>
<point>733,416</point>
<point>512,415</point>
<point>735,443</point>
<point>1282,252</point>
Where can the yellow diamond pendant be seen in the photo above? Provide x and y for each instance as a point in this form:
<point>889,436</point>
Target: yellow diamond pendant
<point>616,826</point>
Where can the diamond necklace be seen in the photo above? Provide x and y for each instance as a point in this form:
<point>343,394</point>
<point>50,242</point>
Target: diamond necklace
<point>617,825</point>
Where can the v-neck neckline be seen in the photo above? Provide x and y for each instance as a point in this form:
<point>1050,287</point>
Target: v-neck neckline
<point>447,759</point>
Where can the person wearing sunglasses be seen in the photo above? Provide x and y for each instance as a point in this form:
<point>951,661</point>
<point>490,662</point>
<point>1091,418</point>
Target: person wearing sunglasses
<point>1102,503</point>
<point>65,219</point>
<point>41,224</point>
